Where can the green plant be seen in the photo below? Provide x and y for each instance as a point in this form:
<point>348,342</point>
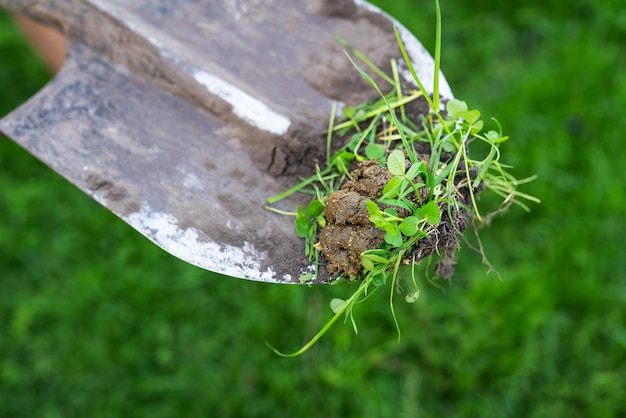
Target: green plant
<point>548,340</point>
<point>423,191</point>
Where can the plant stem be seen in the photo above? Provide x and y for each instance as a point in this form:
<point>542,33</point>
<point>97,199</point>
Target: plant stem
<point>329,135</point>
<point>437,57</point>
<point>349,302</point>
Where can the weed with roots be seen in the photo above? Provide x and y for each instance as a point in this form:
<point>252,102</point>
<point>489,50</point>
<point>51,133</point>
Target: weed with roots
<point>422,192</point>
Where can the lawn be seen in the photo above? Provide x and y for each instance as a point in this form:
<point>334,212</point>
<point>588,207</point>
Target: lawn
<point>95,321</point>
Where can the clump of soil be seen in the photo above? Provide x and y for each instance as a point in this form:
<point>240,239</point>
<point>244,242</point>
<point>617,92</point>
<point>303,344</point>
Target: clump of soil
<point>349,232</point>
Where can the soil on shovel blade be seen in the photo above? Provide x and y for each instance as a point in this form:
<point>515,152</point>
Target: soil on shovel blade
<point>349,232</point>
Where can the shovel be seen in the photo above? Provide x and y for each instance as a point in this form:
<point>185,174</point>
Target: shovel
<point>183,117</point>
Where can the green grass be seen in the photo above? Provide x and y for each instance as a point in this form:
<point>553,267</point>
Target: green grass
<point>97,322</point>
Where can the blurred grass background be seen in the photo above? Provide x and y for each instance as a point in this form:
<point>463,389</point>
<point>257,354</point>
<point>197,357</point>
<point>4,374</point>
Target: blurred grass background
<point>97,322</point>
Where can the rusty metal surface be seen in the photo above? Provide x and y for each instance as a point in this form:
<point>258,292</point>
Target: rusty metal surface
<point>174,115</point>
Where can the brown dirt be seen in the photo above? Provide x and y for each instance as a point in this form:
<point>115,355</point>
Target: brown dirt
<point>349,232</point>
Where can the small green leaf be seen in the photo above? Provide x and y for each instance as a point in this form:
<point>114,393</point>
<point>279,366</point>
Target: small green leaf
<point>374,151</point>
<point>376,216</point>
<point>379,279</point>
<point>448,145</point>
<point>431,212</point>
<point>470,116</point>
<point>336,304</point>
<point>455,107</point>
<point>373,208</point>
<point>396,163</point>
<point>393,237</point>
<point>371,260</point>
<point>409,226</point>
<point>392,188</point>
<point>391,228</point>
<point>305,277</point>
<point>412,297</point>
<point>494,137</point>
<point>355,140</point>
<point>342,161</point>
<point>477,127</point>
<point>349,111</point>
<point>303,224</point>
<point>314,208</point>
<point>367,263</point>
<point>378,221</point>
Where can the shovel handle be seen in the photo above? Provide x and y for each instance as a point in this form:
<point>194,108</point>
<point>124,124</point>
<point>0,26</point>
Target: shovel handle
<point>82,21</point>
<point>49,12</point>
<point>49,42</point>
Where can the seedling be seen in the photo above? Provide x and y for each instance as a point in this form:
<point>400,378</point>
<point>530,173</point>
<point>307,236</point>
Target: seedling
<point>430,182</point>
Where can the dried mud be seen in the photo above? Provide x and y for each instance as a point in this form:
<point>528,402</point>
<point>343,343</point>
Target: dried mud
<point>349,232</point>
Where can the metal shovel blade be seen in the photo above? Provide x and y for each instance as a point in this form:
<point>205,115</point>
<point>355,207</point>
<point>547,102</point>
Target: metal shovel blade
<point>184,117</point>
